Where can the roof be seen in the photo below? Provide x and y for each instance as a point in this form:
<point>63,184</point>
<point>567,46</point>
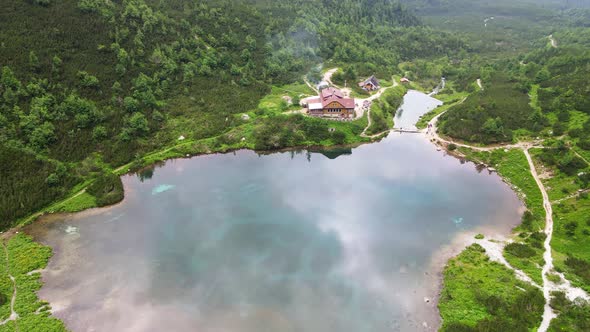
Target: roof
<point>322,85</point>
<point>315,106</point>
<point>330,95</point>
<point>371,80</point>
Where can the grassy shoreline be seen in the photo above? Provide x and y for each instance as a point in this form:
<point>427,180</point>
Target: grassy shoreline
<point>489,291</point>
<point>20,279</point>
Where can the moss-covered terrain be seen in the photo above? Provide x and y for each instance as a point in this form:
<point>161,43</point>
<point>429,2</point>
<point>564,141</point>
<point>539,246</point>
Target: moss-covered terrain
<point>481,295</point>
<point>20,261</point>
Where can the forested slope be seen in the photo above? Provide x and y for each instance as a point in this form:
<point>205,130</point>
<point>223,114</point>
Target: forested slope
<point>89,85</point>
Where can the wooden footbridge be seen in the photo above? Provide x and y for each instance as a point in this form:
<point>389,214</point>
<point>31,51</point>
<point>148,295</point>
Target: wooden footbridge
<point>409,131</point>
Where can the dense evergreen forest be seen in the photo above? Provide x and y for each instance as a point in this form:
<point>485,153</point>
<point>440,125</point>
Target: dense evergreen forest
<point>89,85</point>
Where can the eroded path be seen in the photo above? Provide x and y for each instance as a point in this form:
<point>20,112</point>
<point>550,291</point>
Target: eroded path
<point>548,313</point>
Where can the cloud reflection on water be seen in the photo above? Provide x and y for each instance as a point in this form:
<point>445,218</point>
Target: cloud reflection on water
<point>246,243</point>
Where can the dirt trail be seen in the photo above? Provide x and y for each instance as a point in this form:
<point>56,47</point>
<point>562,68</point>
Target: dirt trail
<point>364,133</point>
<point>13,315</point>
<point>328,76</point>
<point>581,157</point>
<point>548,313</point>
<point>557,201</point>
<point>494,251</point>
<point>310,85</point>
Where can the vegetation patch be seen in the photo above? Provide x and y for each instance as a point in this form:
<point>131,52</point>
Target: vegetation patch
<point>571,316</point>
<point>383,109</point>
<point>513,166</point>
<point>481,295</point>
<point>491,115</point>
<point>107,189</point>
<point>20,256</point>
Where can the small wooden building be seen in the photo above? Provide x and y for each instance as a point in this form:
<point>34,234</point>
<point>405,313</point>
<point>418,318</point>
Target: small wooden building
<point>370,84</point>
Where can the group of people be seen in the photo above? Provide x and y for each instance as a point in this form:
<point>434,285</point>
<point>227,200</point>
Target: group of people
<point>430,129</point>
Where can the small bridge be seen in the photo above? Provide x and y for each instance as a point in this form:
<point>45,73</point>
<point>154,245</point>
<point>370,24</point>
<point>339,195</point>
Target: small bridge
<point>409,131</point>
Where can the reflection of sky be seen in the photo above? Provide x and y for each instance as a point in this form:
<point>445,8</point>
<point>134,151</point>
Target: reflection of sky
<point>415,104</point>
<point>246,243</point>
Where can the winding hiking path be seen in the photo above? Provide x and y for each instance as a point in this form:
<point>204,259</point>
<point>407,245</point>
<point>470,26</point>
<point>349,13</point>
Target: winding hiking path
<point>494,250</point>
<point>310,85</point>
<point>548,313</point>
<point>328,76</point>
<point>364,133</point>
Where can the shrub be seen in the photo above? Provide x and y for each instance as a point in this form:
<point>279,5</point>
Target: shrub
<point>570,228</point>
<point>579,267</point>
<point>339,137</point>
<point>520,250</point>
<point>108,189</point>
<point>87,80</point>
<point>527,220</point>
<point>584,144</point>
<point>554,277</point>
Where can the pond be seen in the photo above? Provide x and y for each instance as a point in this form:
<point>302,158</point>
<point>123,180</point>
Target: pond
<point>347,241</point>
<point>415,105</point>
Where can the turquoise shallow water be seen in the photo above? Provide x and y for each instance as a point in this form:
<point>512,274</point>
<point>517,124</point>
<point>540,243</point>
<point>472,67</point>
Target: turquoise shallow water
<point>293,241</point>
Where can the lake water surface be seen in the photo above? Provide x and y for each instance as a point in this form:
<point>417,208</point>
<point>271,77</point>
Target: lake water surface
<point>415,104</point>
<point>282,242</point>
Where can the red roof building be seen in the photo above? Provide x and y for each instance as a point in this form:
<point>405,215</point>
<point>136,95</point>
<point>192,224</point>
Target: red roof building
<point>331,103</point>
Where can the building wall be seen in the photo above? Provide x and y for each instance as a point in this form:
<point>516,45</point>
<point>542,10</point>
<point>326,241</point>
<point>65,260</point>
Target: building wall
<point>333,113</point>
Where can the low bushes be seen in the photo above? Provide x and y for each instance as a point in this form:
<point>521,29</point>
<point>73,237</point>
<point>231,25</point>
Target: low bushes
<point>108,189</point>
<point>579,267</point>
<point>481,295</point>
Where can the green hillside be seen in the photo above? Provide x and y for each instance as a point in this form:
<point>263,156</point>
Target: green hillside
<point>89,85</point>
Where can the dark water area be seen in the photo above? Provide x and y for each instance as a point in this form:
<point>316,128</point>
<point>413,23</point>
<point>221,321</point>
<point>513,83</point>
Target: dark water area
<point>293,241</point>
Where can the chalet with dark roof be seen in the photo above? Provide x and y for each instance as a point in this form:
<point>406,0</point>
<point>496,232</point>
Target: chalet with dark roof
<point>370,84</point>
<point>331,103</point>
